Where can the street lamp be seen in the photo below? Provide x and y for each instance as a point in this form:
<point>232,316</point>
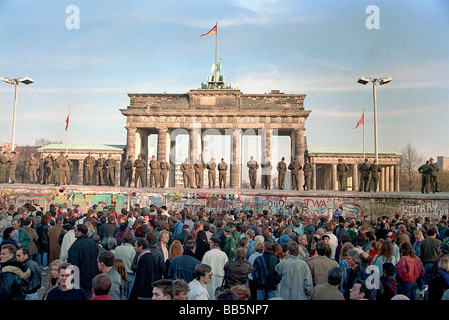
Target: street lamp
<point>381,81</point>
<point>15,82</point>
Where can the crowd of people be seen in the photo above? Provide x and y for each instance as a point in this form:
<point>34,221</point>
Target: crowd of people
<point>155,253</point>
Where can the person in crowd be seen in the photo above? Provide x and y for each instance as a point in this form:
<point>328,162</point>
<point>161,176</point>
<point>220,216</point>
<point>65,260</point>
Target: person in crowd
<point>203,275</point>
<point>65,290</point>
<point>410,271</point>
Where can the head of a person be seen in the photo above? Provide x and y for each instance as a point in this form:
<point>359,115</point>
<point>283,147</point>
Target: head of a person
<point>190,245</point>
<point>65,276</point>
<point>80,230</point>
<point>105,260</point>
<point>176,249</point>
<point>8,252</point>
<point>101,284</point>
<point>163,289</point>
<point>322,248</point>
<point>406,249</point>
<point>203,273</point>
<point>141,244</point>
<point>353,258</point>
<point>22,254</point>
<point>359,291</point>
<point>181,289</point>
<point>388,269</point>
<point>335,276</point>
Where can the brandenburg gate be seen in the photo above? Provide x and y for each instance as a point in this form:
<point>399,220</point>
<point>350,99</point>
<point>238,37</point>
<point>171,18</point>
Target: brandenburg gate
<point>222,111</point>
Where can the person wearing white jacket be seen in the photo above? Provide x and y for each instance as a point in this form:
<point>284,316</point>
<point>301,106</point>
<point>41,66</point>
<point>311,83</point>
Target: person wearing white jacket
<point>198,291</point>
<point>67,241</point>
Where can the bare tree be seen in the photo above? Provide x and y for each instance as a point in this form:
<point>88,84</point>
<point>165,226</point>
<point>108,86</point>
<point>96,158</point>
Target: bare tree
<point>41,142</point>
<point>410,162</point>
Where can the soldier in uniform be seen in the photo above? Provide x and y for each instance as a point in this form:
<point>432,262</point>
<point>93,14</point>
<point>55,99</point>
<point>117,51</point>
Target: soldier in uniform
<point>307,168</point>
<point>164,167</point>
<point>295,167</point>
<point>100,169</point>
<point>266,173</point>
<point>48,169</point>
<point>426,171</point>
<point>199,166</point>
<point>281,168</point>
<point>252,172</point>
<point>154,172</point>
<point>364,176</point>
<point>342,169</point>
<point>140,166</point>
<point>89,163</point>
<point>187,173</point>
<point>67,176</point>
<point>60,163</point>
<point>374,169</point>
<point>222,172</point>
<point>211,174</point>
<point>434,183</point>
<point>33,164</point>
<point>12,166</point>
<point>3,166</point>
<point>110,167</point>
<point>128,166</point>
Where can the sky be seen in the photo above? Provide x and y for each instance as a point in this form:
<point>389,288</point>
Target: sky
<point>90,54</point>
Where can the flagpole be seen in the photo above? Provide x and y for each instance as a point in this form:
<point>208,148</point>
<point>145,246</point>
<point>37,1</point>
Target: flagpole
<point>363,134</point>
<point>67,139</point>
<point>216,54</point>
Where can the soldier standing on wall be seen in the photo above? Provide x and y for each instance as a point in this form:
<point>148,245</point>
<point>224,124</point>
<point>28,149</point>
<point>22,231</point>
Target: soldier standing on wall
<point>89,163</point>
<point>67,176</point>
<point>364,176</point>
<point>281,168</point>
<point>252,166</point>
<point>307,174</point>
<point>342,169</point>
<point>266,173</point>
<point>100,169</point>
<point>211,166</point>
<point>110,166</point>
<point>295,167</point>
<point>12,166</point>
<point>164,167</point>
<point>374,169</point>
<point>140,166</point>
<point>222,172</point>
<point>154,172</point>
<point>434,183</point>
<point>33,164</point>
<point>199,167</point>
<point>128,166</point>
<point>426,171</point>
<point>3,166</point>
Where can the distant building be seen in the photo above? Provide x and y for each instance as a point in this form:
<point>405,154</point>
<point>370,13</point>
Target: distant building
<point>443,162</point>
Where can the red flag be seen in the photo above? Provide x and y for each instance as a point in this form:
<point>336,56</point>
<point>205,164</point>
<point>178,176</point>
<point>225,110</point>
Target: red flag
<point>67,123</point>
<point>360,122</point>
<point>211,31</point>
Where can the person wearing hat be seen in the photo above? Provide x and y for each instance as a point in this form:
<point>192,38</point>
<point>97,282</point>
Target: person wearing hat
<point>252,172</point>
<point>164,167</point>
<point>285,238</point>
<point>89,163</point>
<point>307,168</point>
<point>67,178</point>
<point>60,163</point>
<point>342,169</point>
<point>33,164</point>
<point>295,167</point>
<point>217,259</point>
<point>100,169</point>
<point>211,173</point>
<point>434,176</point>
<point>426,170</point>
<point>281,168</point>
<point>154,172</point>
<point>222,171</point>
<point>110,167</point>
<point>375,169</point>
<point>364,176</point>
<point>230,244</point>
<point>139,173</point>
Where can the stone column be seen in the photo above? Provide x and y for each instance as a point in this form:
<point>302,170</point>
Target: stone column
<point>355,177</point>
<point>299,149</point>
<point>397,174</point>
<point>195,144</point>
<point>391,181</point>
<point>236,165</point>
<point>118,165</point>
<point>387,178</point>
<point>334,181</point>
<point>382,179</point>
<point>130,143</point>
<point>163,146</point>
<point>313,187</point>
<point>80,171</point>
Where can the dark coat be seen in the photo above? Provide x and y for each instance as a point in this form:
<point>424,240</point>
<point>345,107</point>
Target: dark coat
<point>236,273</point>
<point>35,280</point>
<point>83,253</point>
<point>264,274</point>
<point>183,267</point>
<point>43,243</point>
<point>147,272</point>
<point>13,278</point>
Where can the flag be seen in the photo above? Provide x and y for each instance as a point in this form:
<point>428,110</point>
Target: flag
<point>67,123</point>
<point>360,122</point>
<point>211,31</point>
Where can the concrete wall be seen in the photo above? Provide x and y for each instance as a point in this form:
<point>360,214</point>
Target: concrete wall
<point>355,205</point>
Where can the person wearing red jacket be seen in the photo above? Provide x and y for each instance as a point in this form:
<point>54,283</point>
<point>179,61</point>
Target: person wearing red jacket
<point>410,271</point>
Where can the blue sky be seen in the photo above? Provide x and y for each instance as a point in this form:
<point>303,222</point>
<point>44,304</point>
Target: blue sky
<point>317,48</point>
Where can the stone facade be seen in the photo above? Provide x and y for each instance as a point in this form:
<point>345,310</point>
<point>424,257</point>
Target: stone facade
<point>227,111</point>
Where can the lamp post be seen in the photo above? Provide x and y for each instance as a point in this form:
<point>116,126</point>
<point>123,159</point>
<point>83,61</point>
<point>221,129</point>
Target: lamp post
<point>380,81</point>
<point>15,82</point>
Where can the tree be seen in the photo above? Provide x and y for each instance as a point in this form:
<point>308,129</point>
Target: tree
<point>410,162</point>
<point>41,142</point>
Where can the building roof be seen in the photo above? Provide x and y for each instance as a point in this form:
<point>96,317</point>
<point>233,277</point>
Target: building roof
<point>353,150</point>
<point>96,147</point>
